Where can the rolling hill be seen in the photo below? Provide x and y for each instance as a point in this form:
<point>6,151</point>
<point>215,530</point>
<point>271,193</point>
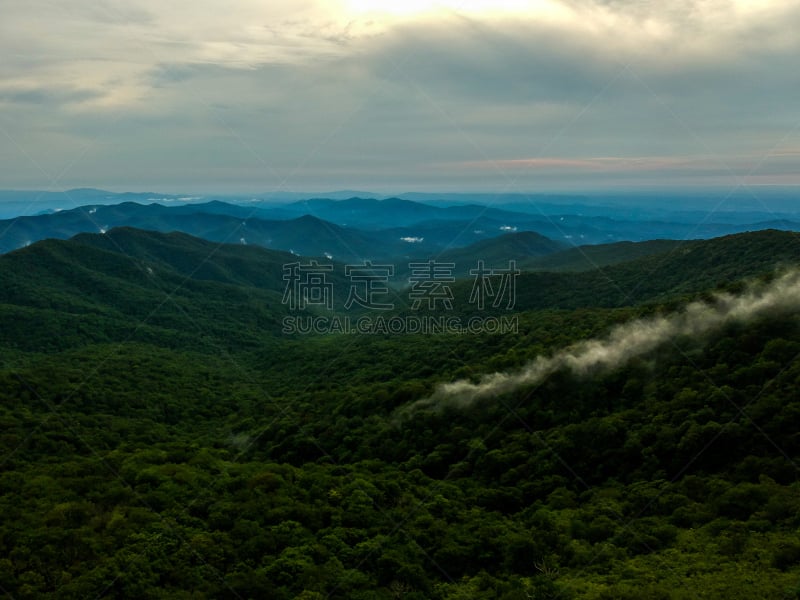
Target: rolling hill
<point>495,252</point>
<point>684,270</point>
<point>499,250</point>
<point>130,284</point>
<point>354,229</point>
<point>587,258</point>
<point>302,235</point>
<point>161,437</point>
<point>279,229</point>
<point>170,280</point>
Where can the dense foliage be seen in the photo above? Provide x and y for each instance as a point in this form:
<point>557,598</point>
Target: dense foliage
<point>161,439</point>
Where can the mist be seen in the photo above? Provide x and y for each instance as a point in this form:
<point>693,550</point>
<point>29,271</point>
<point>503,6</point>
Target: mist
<point>626,341</point>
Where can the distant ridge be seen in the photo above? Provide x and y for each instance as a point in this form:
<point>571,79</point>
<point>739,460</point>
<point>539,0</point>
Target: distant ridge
<point>499,251</point>
<point>356,228</point>
<point>684,269</point>
<point>134,285</point>
<point>130,283</point>
<point>586,258</point>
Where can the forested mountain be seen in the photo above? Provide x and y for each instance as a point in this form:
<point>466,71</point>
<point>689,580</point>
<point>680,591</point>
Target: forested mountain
<point>355,229</point>
<point>590,257</point>
<point>135,285</point>
<point>498,251</point>
<point>302,235</point>
<point>685,269</point>
<point>164,437</point>
<point>282,228</point>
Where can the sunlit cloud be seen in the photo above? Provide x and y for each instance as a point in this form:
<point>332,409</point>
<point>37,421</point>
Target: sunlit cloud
<point>592,164</point>
<point>352,93</point>
<point>546,9</point>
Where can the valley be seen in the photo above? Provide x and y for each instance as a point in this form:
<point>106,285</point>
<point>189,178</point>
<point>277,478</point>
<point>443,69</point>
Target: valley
<point>162,435</point>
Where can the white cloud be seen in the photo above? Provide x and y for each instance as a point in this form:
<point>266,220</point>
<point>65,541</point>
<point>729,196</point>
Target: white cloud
<point>332,93</point>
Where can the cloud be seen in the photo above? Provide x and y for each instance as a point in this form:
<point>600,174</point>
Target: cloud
<point>779,164</point>
<point>41,95</point>
<point>327,94</point>
<point>624,343</point>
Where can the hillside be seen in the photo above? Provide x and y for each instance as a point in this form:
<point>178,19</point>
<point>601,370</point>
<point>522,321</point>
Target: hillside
<point>279,228</point>
<point>685,270</point>
<point>195,257</point>
<point>587,258</point>
<point>355,229</point>
<point>495,252</point>
<point>499,250</point>
<point>302,235</point>
<point>163,438</point>
<point>128,285</point>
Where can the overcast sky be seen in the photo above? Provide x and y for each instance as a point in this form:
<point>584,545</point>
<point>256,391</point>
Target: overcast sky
<point>470,95</point>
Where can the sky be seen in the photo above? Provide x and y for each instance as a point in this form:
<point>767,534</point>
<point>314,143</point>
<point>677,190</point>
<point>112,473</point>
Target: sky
<point>252,96</point>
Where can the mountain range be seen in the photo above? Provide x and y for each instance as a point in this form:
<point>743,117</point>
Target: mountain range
<point>164,436</point>
<point>357,229</point>
<point>55,290</point>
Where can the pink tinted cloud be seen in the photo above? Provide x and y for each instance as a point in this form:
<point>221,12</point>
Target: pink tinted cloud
<point>605,163</point>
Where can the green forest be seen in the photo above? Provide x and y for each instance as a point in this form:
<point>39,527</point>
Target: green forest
<point>161,438</point>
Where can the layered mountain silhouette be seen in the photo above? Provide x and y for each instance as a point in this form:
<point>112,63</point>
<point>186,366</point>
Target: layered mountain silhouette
<point>144,285</point>
<point>355,229</point>
<point>158,422</point>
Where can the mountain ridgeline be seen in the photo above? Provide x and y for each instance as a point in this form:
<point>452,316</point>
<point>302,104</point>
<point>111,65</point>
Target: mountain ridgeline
<point>164,436</point>
<point>358,229</point>
<point>170,280</point>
